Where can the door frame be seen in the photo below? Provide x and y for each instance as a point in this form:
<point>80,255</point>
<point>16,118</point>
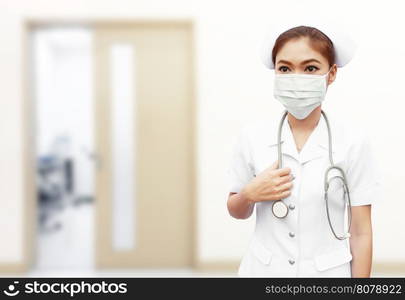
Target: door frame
<point>28,117</point>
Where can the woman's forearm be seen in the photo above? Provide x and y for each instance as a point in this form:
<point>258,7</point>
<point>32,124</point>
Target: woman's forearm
<point>361,246</point>
<point>239,207</point>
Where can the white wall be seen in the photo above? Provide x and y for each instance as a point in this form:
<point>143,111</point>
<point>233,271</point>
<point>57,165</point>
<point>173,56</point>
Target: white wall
<point>233,88</point>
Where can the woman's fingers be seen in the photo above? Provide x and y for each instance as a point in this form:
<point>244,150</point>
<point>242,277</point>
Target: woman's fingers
<point>276,183</point>
<point>283,171</point>
<point>283,195</point>
<point>285,179</point>
<point>284,187</point>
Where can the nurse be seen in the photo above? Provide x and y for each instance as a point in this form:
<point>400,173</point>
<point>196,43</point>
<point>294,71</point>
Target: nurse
<point>301,244</point>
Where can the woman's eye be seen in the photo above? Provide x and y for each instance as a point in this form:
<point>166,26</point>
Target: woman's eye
<point>311,69</point>
<point>283,69</point>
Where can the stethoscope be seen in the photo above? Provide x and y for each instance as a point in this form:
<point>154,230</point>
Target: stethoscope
<point>280,209</point>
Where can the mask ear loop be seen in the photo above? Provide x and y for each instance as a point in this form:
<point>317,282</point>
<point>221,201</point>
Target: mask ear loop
<point>342,178</point>
<point>327,73</point>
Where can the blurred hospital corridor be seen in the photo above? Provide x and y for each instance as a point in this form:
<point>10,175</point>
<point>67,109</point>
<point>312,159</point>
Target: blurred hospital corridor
<point>104,136</point>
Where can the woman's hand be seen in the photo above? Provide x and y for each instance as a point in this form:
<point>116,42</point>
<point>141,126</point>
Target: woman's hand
<point>271,184</point>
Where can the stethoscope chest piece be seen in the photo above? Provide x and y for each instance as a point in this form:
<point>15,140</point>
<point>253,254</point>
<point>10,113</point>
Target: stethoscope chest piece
<point>280,209</point>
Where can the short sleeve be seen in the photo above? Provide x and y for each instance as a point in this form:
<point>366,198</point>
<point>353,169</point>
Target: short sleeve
<point>240,169</point>
<point>363,175</point>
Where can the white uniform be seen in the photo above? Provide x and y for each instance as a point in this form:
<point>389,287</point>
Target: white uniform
<point>302,244</point>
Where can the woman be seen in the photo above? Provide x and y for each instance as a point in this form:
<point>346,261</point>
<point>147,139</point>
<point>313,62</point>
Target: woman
<point>302,243</point>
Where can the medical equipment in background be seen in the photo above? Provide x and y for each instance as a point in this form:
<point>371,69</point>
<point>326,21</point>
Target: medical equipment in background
<point>280,209</point>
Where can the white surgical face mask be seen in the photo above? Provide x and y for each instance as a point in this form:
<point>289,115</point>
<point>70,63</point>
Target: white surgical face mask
<point>300,93</point>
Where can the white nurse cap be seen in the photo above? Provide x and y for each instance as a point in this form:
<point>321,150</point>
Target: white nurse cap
<point>344,46</point>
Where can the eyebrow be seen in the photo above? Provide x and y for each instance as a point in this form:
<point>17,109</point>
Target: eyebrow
<point>284,62</point>
<point>310,60</point>
<point>302,63</point>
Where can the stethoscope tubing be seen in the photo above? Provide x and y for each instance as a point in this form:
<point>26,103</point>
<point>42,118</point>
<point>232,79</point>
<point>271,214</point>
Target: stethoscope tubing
<point>326,180</point>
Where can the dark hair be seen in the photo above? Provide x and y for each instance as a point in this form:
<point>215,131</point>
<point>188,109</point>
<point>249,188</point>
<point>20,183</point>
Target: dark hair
<point>319,41</point>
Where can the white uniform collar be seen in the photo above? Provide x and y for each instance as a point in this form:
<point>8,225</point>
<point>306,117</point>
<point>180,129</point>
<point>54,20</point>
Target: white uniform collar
<point>315,146</point>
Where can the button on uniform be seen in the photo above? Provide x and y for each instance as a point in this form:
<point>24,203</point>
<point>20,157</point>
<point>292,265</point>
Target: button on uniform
<point>291,206</point>
<point>292,234</point>
<point>291,261</point>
